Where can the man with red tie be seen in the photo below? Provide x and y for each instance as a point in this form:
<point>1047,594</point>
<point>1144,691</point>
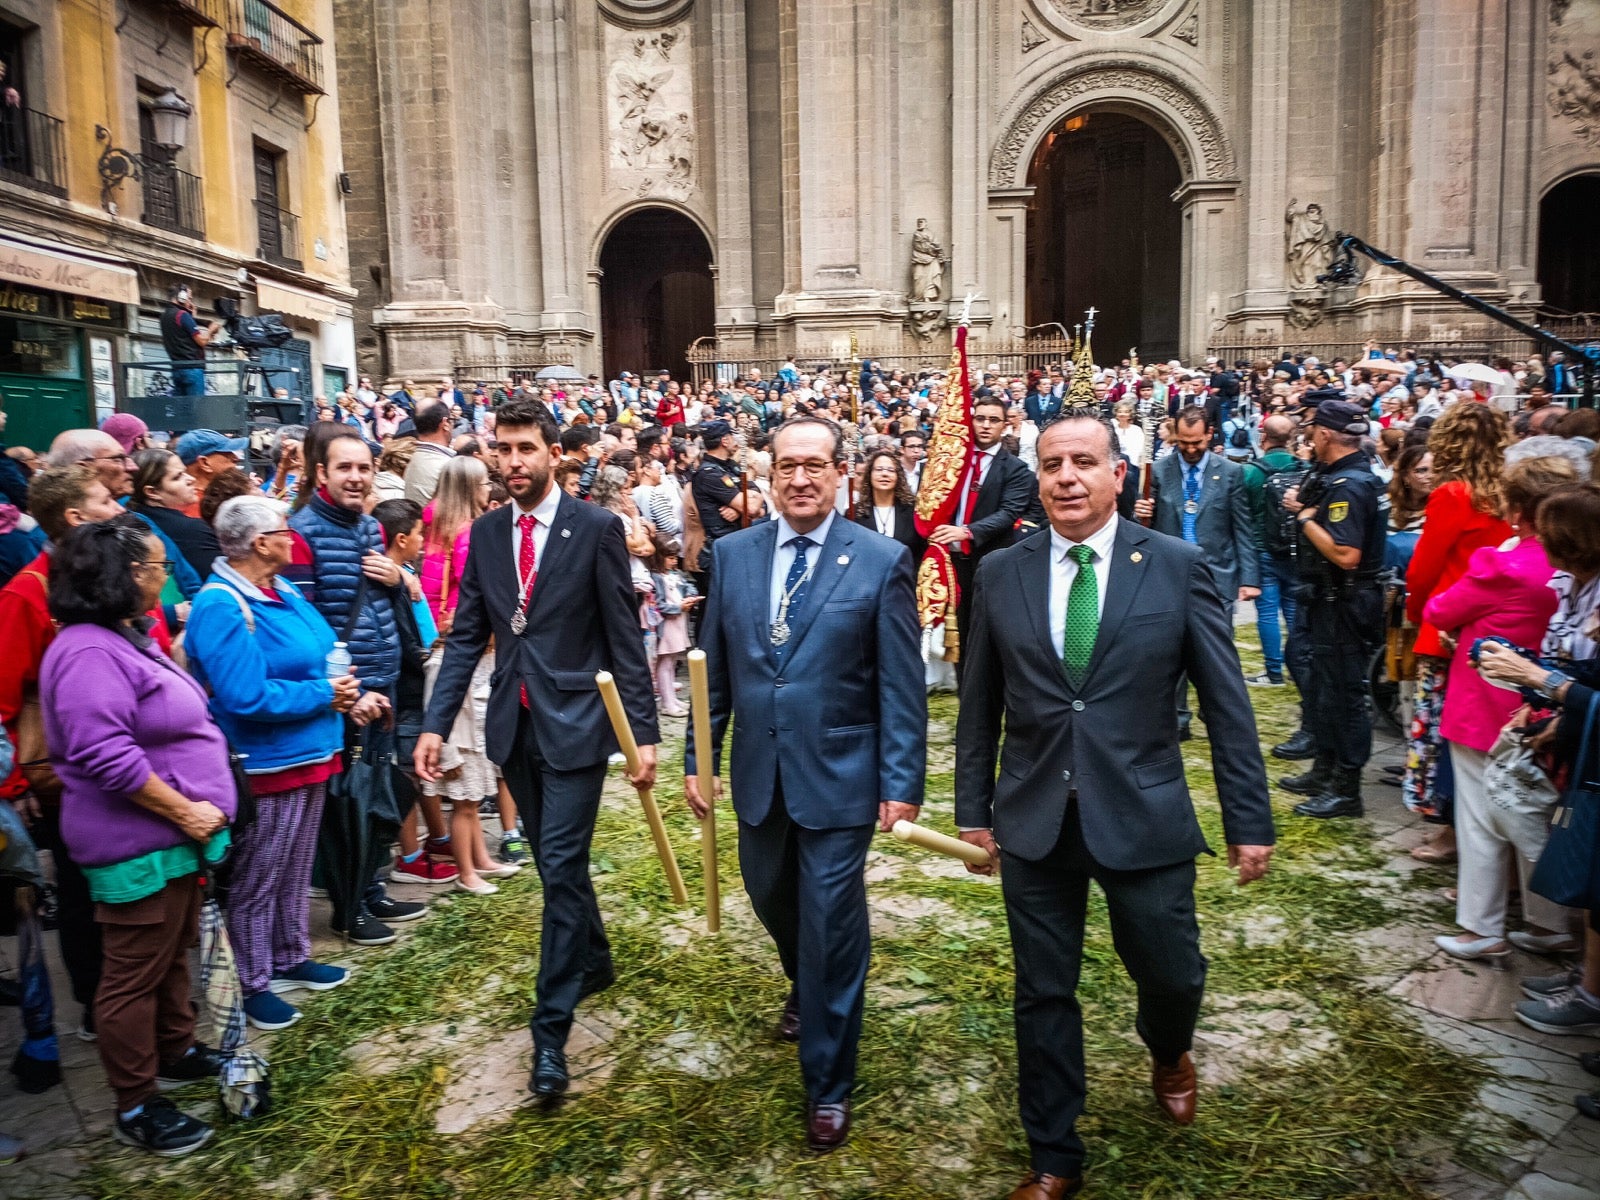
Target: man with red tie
<point>996,491</point>
<point>547,576</point>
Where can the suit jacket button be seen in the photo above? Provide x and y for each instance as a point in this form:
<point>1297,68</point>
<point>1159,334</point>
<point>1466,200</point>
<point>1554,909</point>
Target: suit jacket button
<point>1077,706</point>
<point>1066,777</point>
<point>781,682</point>
<point>772,733</point>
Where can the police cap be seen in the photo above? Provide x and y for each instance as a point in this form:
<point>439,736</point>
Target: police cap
<point>1342,417</point>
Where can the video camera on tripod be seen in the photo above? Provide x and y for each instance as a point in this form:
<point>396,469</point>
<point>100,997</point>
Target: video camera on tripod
<point>264,331</point>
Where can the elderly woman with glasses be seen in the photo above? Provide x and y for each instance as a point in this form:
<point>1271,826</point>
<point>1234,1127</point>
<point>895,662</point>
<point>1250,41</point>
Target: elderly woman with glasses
<point>147,795</point>
<point>262,649</point>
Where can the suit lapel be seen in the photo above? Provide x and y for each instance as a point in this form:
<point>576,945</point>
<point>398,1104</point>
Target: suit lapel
<point>832,563</point>
<point>556,547</point>
<point>1123,578</point>
<point>497,569</point>
<point>1211,479</point>
<point>1034,568</point>
<point>757,571</point>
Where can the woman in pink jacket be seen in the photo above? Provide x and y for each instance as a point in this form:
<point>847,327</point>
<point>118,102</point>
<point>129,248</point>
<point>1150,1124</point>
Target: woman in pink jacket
<point>1505,593</point>
<point>462,498</point>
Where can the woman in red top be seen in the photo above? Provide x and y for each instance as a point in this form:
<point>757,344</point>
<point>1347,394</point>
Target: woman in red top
<point>669,411</point>
<point>1468,443</point>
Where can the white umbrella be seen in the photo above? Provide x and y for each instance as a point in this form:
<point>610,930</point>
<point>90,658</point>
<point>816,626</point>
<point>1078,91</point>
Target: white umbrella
<point>1384,366</point>
<point>1472,372</point>
<point>560,371</point>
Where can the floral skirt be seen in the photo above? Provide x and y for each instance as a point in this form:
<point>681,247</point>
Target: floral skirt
<point>1424,750</point>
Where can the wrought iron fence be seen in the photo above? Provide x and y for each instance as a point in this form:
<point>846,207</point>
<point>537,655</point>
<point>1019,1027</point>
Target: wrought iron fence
<point>33,149</point>
<point>1007,356</point>
<point>173,199</point>
<point>1467,344</point>
<point>277,235</point>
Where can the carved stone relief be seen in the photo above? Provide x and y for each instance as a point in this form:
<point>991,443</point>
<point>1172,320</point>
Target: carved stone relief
<point>1032,39</point>
<point>1106,14</point>
<point>1308,249</point>
<point>1141,78</point>
<point>650,112</point>
<point>1575,92</point>
<point>1189,29</point>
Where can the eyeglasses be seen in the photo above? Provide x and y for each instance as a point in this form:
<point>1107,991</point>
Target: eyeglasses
<point>121,458</point>
<point>166,564</point>
<point>274,532</point>
<point>988,420</point>
<point>814,469</point>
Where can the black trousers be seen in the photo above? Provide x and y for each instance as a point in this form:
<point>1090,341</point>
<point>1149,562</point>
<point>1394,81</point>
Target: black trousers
<point>557,810</point>
<point>1158,939</point>
<point>75,919</point>
<point>1335,707</point>
<point>809,889</point>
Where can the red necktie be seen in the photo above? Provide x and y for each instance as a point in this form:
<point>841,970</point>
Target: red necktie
<point>974,481</point>
<point>527,572</point>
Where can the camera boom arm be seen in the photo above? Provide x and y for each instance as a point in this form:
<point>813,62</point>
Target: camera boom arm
<point>1343,270</point>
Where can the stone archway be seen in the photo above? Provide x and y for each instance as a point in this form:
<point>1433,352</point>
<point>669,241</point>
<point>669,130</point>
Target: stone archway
<point>1569,244</point>
<point>1205,192</point>
<point>656,292</point>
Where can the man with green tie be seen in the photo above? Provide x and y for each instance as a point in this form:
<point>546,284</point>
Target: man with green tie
<point>1074,632</point>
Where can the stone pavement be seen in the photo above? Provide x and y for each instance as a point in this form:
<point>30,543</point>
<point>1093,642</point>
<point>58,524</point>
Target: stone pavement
<point>1524,1141</point>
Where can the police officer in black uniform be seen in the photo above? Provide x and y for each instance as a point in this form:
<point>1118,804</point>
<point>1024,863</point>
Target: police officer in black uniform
<point>718,495</point>
<point>1339,609</point>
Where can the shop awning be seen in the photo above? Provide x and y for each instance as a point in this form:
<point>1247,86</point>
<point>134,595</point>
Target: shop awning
<point>60,268</point>
<point>280,297</point>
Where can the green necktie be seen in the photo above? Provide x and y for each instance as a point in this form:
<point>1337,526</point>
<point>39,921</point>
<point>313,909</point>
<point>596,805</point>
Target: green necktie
<point>1083,616</point>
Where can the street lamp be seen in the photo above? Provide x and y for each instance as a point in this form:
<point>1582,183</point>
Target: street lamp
<point>169,119</point>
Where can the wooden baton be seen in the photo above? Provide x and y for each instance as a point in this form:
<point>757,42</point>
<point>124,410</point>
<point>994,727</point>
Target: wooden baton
<point>652,814</point>
<point>941,843</point>
<point>700,714</point>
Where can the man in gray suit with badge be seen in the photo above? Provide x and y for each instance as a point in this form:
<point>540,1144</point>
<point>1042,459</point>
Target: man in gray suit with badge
<point>813,649</point>
<point>1073,630</point>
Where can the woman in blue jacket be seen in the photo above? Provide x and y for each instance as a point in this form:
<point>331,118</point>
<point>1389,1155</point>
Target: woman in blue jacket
<point>262,648</point>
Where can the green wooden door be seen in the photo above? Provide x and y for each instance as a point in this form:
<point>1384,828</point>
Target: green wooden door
<point>38,408</point>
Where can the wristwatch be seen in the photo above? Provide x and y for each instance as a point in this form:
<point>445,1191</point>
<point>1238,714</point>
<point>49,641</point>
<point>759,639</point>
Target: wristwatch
<point>1305,515</point>
<point>1552,683</point>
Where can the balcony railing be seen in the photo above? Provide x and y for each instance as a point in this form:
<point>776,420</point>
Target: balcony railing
<point>278,236</point>
<point>33,150</point>
<point>172,198</point>
<point>265,35</point>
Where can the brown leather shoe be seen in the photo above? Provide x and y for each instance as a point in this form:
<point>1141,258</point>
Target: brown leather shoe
<point>827,1126</point>
<point>1047,1187</point>
<point>789,1022</point>
<point>1175,1090</point>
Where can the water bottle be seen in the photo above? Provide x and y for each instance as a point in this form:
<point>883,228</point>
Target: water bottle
<point>338,664</point>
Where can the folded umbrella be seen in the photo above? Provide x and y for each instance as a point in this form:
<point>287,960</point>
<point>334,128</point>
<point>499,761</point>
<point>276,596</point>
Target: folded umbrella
<point>359,821</point>
<point>246,1090</point>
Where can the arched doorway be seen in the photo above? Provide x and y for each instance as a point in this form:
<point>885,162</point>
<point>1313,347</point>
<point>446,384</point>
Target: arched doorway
<point>1569,245</point>
<point>655,292</point>
<point>1104,232</point>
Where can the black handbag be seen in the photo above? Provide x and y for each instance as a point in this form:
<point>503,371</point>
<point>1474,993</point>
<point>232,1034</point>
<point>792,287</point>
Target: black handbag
<point>1568,872</point>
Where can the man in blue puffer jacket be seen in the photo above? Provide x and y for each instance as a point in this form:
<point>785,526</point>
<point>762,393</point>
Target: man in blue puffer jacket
<point>354,586</point>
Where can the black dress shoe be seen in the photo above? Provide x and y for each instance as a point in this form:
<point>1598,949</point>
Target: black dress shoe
<point>1301,745</point>
<point>549,1079</point>
<point>789,1022</point>
<point>827,1126</point>
<point>1331,805</point>
<point>1309,783</point>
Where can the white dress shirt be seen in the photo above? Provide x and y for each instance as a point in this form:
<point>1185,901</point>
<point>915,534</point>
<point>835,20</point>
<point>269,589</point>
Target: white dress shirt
<point>544,515</point>
<point>1063,570</point>
<point>883,518</point>
<point>985,460</point>
<point>783,558</point>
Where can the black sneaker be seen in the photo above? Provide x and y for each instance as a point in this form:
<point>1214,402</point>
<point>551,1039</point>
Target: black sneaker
<point>202,1062</point>
<point>162,1129</point>
<point>386,909</point>
<point>366,932</point>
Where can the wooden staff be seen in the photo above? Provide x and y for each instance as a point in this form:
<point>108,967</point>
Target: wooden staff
<point>652,814</point>
<point>700,714</point>
<point>744,497</point>
<point>942,843</point>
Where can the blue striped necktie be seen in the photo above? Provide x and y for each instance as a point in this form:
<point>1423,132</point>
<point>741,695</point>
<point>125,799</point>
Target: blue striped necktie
<point>1191,500</point>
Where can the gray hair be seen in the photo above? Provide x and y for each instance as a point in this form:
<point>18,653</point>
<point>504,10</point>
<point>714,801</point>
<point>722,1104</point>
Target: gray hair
<point>240,521</point>
<point>72,446</point>
<point>1549,446</point>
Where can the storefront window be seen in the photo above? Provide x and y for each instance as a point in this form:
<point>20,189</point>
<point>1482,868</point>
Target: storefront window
<point>36,348</point>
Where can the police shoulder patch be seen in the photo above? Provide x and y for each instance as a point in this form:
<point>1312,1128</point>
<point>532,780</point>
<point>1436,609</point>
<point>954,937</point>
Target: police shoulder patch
<point>1338,511</point>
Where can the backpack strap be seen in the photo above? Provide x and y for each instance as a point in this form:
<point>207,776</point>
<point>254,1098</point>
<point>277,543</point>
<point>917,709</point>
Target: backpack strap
<point>244,605</point>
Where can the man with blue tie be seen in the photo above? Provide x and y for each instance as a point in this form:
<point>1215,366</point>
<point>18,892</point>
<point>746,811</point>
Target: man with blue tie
<point>1201,497</point>
<point>812,643</point>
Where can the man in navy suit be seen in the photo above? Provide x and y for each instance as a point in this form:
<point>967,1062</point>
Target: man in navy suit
<point>547,577</point>
<point>811,640</point>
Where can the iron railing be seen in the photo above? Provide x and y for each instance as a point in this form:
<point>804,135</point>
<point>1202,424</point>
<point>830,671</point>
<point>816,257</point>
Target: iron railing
<point>262,33</point>
<point>173,198</point>
<point>33,150</point>
<point>278,236</point>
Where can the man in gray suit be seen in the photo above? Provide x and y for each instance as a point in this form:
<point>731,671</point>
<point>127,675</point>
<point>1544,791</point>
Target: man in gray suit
<point>1201,497</point>
<point>1073,630</point>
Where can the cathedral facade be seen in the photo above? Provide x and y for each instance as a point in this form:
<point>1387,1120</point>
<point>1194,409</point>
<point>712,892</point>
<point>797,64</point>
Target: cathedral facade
<point>608,182</point>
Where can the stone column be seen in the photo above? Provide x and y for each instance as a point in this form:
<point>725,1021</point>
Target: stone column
<point>970,270</point>
<point>1210,248</point>
<point>1268,157</point>
<point>1006,261</point>
<point>735,296</point>
<point>558,82</point>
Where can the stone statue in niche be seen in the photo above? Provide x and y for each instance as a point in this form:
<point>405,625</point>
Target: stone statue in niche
<point>927,266</point>
<point>1308,249</point>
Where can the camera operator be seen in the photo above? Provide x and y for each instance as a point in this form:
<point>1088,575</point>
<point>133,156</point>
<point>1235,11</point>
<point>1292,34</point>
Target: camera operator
<point>185,342</point>
<point>1338,603</point>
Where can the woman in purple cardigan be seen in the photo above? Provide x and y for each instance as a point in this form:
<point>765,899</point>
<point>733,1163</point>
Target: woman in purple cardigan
<point>147,801</point>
